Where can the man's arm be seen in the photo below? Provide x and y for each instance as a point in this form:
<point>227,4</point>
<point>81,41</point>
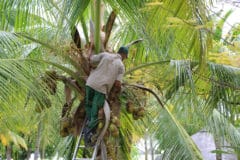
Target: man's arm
<point>95,59</point>
<point>118,81</point>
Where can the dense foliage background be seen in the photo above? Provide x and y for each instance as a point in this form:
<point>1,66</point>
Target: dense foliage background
<point>183,58</point>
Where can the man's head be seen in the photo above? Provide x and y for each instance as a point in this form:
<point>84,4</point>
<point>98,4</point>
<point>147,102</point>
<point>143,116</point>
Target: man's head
<point>123,51</point>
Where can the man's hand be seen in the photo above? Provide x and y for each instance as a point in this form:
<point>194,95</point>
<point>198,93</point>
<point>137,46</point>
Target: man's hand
<point>117,85</point>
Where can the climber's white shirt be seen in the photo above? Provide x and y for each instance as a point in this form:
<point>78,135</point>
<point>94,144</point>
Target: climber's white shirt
<point>109,68</point>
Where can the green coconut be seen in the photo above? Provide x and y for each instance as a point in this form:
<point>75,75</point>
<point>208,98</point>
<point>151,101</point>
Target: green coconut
<point>115,121</point>
<point>100,125</point>
<point>113,128</point>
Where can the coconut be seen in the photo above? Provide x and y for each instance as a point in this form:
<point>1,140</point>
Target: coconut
<point>129,107</point>
<point>135,116</point>
<point>100,125</point>
<point>115,133</point>
<point>65,122</point>
<point>109,146</point>
<point>135,109</point>
<point>141,113</point>
<point>141,108</point>
<point>118,124</point>
<point>71,130</point>
<point>64,132</point>
<point>113,128</point>
<point>129,103</point>
<point>115,121</point>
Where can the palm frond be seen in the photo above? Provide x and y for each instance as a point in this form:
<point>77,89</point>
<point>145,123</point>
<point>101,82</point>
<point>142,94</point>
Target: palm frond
<point>221,127</point>
<point>225,87</point>
<point>173,138</point>
<point>9,45</point>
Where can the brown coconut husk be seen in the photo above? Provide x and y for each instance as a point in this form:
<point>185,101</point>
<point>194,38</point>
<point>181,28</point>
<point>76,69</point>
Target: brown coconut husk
<point>65,122</point>
<point>130,107</point>
<point>135,116</point>
<point>115,134</point>
<point>78,118</point>
<point>64,132</point>
<point>65,126</point>
<point>141,113</point>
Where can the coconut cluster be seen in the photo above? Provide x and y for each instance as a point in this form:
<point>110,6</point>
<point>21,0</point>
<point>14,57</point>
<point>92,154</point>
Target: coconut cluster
<point>137,112</point>
<point>65,126</point>
<point>113,129</point>
<point>68,124</point>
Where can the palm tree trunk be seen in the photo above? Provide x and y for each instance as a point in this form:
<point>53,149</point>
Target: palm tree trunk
<point>146,148</point>
<point>218,147</point>
<point>38,140</point>
<point>9,152</point>
<point>151,147</point>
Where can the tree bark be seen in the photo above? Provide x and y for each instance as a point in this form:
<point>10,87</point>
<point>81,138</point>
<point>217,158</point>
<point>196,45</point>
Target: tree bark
<point>218,148</point>
<point>9,152</point>
<point>151,147</point>
<point>146,148</point>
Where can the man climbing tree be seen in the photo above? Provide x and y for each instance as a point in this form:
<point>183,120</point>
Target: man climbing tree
<point>108,70</point>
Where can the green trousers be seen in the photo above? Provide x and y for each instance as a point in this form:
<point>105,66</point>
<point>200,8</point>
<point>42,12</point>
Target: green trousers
<point>93,101</point>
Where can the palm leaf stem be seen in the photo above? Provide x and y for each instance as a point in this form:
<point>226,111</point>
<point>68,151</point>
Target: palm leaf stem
<point>35,40</point>
<point>146,89</point>
<point>220,83</point>
<point>146,65</point>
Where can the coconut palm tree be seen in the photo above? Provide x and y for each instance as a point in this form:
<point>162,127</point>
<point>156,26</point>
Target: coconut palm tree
<point>171,63</point>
